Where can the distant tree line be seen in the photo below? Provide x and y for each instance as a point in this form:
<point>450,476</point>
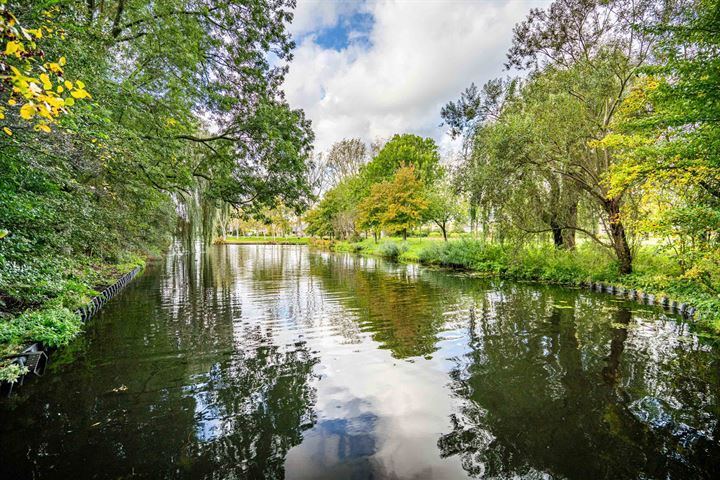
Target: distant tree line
<point>400,188</point>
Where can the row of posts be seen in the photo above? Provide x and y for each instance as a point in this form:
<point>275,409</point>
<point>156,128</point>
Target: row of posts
<point>87,312</point>
<point>648,298</point>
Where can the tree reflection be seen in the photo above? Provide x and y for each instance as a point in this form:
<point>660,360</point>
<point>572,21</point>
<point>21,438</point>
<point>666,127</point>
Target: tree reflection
<point>536,401</point>
<point>402,310</point>
<point>251,407</point>
<point>250,413</point>
<point>166,384</point>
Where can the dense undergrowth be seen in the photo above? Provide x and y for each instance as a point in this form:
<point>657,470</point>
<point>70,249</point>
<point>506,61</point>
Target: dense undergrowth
<point>653,273</point>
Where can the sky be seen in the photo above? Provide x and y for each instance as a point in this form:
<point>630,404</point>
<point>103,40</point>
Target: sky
<point>373,68</point>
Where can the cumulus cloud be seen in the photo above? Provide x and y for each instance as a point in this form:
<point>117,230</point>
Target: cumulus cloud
<point>416,56</point>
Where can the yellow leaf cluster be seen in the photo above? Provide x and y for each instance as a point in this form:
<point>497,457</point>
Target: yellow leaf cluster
<point>36,87</point>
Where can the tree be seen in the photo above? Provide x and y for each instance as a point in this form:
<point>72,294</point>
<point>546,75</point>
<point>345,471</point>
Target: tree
<point>404,150</point>
<point>335,215</point>
<point>476,107</point>
<point>186,117</point>
<point>345,159</point>
<point>668,125</point>
<point>217,69</point>
<point>405,203</point>
<point>667,139</point>
<point>590,51</point>
<point>508,170</point>
<point>372,209</point>
<point>444,205</point>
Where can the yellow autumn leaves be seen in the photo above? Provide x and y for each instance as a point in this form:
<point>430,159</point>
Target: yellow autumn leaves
<point>39,89</point>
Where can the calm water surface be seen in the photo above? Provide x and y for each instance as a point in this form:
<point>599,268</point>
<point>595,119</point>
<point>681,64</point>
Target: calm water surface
<point>271,362</point>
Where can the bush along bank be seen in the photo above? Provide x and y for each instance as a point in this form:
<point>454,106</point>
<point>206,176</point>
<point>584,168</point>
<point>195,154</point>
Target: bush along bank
<point>656,278</point>
<point>26,339</point>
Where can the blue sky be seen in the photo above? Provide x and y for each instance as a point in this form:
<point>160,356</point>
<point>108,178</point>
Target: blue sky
<point>349,29</point>
<point>370,69</point>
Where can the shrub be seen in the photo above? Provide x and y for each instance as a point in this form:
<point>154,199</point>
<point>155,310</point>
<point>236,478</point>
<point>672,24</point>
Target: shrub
<point>392,250</point>
<point>53,327</point>
<point>470,254</point>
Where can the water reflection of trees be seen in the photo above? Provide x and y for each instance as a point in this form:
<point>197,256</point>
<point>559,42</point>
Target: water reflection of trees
<point>252,402</point>
<point>249,413</point>
<point>402,311</point>
<point>537,398</point>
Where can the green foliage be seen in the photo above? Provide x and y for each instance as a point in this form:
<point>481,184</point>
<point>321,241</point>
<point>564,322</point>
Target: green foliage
<point>52,327</point>
<point>119,170</point>
<point>10,372</point>
<point>400,204</point>
<point>535,165</point>
<point>676,105</point>
<point>467,254</point>
<point>335,215</point>
<point>668,138</point>
<point>444,205</point>
<point>392,250</point>
<point>373,207</point>
<point>368,198</point>
<point>404,150</point>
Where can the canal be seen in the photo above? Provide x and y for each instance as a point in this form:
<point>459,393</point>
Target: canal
<point>252,361</point>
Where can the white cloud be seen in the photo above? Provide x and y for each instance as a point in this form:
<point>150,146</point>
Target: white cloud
<point>311,15</point>
<point>421,55</point>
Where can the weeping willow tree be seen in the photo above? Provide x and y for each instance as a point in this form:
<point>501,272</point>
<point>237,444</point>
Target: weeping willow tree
<point>202,219</point>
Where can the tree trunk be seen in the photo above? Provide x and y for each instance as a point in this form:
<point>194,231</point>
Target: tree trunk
<point>404,234</point>
<point>568,213</point>
<point>557,234</point>
<point>444,231</point>
<point>568,234</point>
<point>618,236</point>
<point>224,231</point>
<point>611,371</point>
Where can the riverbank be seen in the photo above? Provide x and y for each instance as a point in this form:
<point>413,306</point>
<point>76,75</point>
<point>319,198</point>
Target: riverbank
<point>653,273</point>
<point>265,241</point>
<point>52,319</point>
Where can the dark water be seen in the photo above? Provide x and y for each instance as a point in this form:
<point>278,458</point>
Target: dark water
<point>270,362</point>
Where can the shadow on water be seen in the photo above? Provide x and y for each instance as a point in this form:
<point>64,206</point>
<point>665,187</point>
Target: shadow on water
<point>271,362</point>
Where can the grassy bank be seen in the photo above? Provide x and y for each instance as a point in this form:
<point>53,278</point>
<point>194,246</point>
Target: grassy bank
<point>653,272</point>
<point>265,241</point>
<point>49,314</point>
